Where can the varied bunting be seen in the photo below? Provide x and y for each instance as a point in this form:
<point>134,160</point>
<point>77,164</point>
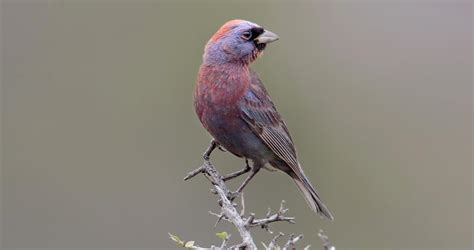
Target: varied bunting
<point>235,108</point>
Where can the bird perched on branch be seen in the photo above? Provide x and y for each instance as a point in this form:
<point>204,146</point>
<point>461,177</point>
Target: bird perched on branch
<point>235,108</point>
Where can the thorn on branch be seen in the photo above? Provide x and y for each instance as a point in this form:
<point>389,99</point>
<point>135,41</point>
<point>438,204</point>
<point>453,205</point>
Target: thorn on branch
<point>327,245</point>
<point>270,218</point>
<point>229,212</point>
<point>273,243</point>
<point>292,241</point>
<point>220,217</point>
<point>195,172</point>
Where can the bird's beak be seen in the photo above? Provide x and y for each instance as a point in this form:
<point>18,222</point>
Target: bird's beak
<point>266,37</point>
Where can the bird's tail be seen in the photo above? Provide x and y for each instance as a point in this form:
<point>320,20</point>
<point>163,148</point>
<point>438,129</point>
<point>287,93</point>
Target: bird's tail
<point>311,196</point>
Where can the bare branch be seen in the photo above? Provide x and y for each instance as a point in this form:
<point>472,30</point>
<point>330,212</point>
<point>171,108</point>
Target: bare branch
<point>195,172</point>
<point>242,200</point>
<point>219,217</point>
<point>270,218</point>
<point>229,212</point>
<point>292,241</point>
<point>327,245</point>
<point>273,243</point>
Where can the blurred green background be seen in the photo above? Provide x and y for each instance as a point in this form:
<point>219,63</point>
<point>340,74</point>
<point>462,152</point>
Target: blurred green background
<point>98,125</point>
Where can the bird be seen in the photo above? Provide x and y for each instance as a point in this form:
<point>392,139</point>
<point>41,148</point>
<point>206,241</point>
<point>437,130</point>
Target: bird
<point>234,106</point>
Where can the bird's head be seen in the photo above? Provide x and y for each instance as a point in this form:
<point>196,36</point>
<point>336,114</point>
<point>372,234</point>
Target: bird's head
<point>237,41</point>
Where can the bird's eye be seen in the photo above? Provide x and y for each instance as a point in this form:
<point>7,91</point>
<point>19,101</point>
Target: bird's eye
<point>247,35</point>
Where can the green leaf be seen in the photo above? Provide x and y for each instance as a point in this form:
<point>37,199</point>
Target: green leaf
<point>189,244</point>
<point>176,239</point>
<point>222,235</point>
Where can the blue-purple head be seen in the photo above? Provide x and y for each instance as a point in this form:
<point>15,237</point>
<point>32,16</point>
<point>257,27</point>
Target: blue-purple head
<point>237,41</point>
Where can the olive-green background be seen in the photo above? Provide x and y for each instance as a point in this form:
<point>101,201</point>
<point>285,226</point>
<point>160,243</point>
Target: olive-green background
<point>98,127</point>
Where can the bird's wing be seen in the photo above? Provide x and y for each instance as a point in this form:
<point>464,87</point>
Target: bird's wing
<point>261,115</point>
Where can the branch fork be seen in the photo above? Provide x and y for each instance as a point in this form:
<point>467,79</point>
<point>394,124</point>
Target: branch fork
<point>230,212</point>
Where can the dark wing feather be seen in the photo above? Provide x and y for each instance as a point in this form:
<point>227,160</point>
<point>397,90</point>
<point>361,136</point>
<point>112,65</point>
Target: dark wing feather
<point>261,115</point>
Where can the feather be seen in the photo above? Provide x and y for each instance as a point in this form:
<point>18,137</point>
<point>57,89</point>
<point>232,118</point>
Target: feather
<point>260,113</point>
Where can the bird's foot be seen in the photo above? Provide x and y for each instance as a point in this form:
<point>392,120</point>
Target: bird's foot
<point>232,195</point>
<point>212,146</point>
<point>233,175</point>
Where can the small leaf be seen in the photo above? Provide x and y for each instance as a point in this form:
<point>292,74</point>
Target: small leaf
<point>176,239</point>
<point>222,235</point>
<point>189,244</point>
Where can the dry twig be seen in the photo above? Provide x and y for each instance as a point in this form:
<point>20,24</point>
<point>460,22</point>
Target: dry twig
<point>242,223</point>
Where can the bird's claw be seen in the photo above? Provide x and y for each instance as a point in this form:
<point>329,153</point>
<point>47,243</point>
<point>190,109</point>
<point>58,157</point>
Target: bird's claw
<point>232,195</point>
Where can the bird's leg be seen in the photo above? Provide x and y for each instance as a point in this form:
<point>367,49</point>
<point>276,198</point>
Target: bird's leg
<point>238,173</point>
<point>246,181</point>
<point>209,150</point>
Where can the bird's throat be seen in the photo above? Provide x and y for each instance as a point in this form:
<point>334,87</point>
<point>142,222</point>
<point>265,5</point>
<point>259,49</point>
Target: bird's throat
<point>223,83</point>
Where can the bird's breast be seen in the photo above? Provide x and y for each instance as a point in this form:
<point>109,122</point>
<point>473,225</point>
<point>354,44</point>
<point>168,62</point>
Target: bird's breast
<point>218,96</point>
<point>219,89</point>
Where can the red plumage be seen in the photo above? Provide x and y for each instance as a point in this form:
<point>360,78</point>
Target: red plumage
<point>234,106</point>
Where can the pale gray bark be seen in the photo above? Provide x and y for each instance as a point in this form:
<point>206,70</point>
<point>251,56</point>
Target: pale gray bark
<point>243,223</point>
